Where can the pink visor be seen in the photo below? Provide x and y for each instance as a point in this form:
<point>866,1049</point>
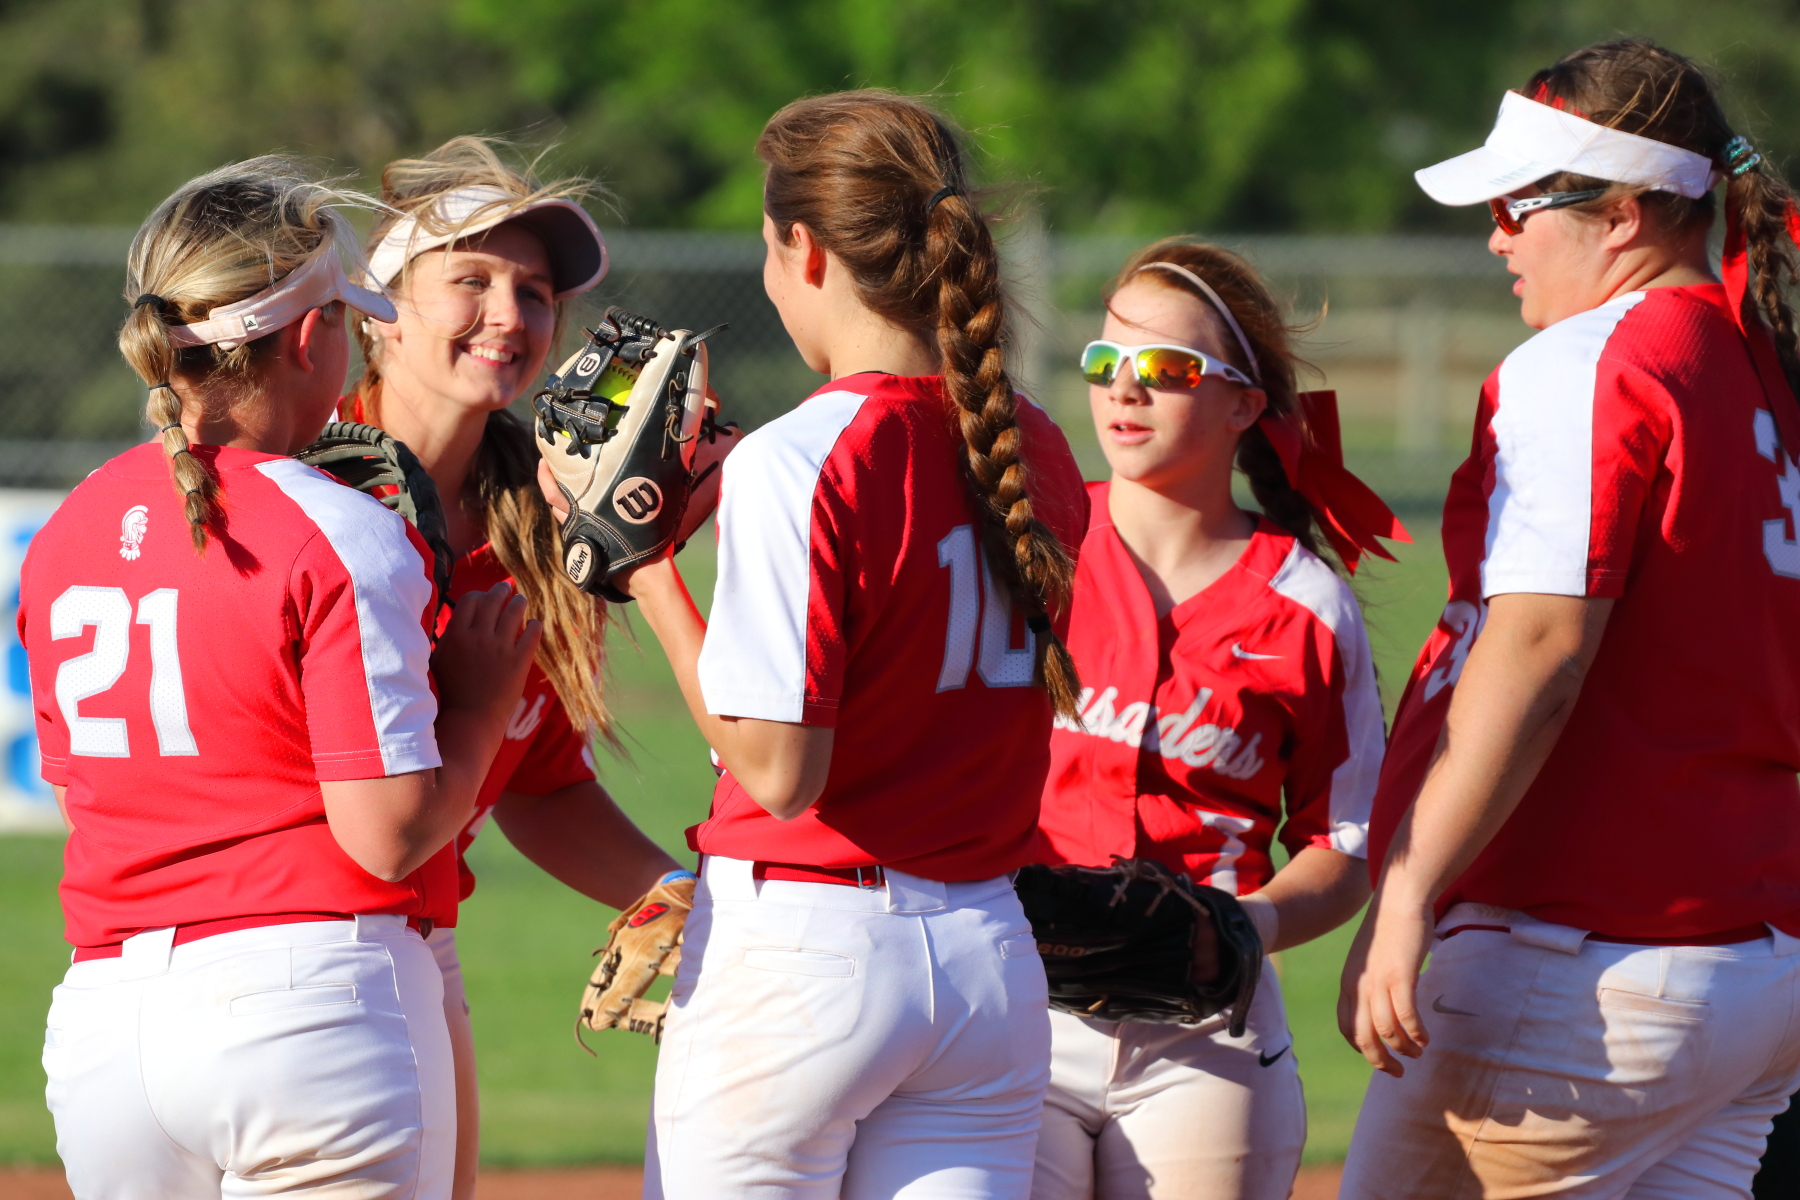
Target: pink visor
<point>318,283</point>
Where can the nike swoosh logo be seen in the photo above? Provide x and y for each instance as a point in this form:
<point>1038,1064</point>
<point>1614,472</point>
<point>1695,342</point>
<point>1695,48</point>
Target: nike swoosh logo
<point>1268,1060</point>
<point>1438,1005</point>
<point>1238,651</point>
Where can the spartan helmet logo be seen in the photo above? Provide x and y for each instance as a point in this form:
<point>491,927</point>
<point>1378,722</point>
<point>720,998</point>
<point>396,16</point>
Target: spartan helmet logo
<point>132,530</point>
<point>638,500</point>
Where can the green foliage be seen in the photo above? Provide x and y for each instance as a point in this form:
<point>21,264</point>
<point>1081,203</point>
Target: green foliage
<point>1133,116</point>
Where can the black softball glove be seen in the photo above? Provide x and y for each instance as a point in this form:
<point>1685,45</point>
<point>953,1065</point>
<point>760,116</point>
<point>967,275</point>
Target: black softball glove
<point>371,460</point>
<point>1118,943</point>
<point>620,425</point>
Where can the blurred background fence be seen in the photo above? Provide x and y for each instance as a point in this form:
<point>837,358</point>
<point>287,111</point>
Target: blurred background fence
<point>1403,328</point>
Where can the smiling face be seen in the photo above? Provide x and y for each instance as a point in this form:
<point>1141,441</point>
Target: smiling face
<point>475,323</point>
<point>1169,440</point>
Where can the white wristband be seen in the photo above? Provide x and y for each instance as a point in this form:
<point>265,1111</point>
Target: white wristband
<point>1265,916</point>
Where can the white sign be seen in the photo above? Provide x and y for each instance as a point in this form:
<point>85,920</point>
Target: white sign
<point>26,802</point>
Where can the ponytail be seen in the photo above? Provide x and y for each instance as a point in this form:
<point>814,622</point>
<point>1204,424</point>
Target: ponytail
<point>1761,204</point>
<point>878,179</point>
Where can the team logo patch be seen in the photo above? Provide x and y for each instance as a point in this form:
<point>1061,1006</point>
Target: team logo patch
<point>132,530</point>
<point>638,500</point>
<point>587,364</point>
<point>646,914</point>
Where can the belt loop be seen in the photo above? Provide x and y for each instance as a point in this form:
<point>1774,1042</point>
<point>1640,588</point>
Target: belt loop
<point>729,879</point>
<point>913,894</point>
<point>1564,939</point>
<point>368,927</point>
<point>1784,944</point>
<point>147,953</point>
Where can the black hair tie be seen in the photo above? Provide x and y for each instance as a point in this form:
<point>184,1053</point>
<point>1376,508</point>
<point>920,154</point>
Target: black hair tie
<point>172,425</point>
<point>163,384</point>
<point>938,197</point>
<point>153,300</point>
<point>1038,623</point>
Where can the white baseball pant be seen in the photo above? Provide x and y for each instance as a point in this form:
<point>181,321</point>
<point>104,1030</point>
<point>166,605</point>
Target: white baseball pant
<point>831,1041</point>
<point>1167,1112</point>
<point>462,1053</point>
<point>283,1061</point>
<point>1560,1066</point>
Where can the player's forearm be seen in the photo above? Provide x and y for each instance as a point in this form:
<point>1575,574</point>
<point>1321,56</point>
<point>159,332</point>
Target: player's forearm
<point>579,836</point>
<point>781,765</point>
<point>1515,697</point>
<point>1317,891</point>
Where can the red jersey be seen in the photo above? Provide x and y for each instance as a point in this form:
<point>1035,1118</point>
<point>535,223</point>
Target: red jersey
<point>192,705</point>
<point>541,753</point>
<point>852,594</point>
<point>1628,452</point>
<point>1195,725</point>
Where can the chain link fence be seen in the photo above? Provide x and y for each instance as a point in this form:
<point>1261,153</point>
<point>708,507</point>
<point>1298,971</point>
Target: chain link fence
<point>1404,328</point>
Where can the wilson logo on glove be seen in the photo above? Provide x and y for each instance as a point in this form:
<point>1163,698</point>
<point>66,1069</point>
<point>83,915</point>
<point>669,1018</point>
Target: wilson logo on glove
<point>637,500</point>
<point>637,395</point>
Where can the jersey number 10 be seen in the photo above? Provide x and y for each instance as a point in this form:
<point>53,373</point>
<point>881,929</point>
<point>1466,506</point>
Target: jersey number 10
<point>109,611</point>
<point>970,579</point>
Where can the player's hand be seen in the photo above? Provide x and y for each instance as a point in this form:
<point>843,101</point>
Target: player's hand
<point>552,494</point>
<point>651,575</point>
<point>1378,1001</point>
<point>486,650</point>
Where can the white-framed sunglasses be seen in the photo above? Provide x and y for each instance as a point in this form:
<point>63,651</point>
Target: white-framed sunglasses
<point>1164,367</point>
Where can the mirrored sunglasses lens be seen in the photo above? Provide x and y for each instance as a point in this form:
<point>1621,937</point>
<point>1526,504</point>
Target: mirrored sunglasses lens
<point>1503,218</point>
<point>1170,370</point>
<point>1099,364</point>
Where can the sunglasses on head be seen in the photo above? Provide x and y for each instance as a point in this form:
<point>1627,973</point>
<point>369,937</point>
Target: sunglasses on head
<point>1510,215</point>
<point>1166,368</point>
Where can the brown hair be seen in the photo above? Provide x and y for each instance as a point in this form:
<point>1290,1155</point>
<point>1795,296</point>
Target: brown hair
<point>520,526</point>
<point>1277,366</point>
<point>219,239</point>
<point>879,180</point>
<point>1639,87</point>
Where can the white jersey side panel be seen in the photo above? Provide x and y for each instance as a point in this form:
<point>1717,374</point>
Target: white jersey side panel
<point>1540,511</point>
<point>1308,582</point>
<point>392,589</point>
<point>753,661</point>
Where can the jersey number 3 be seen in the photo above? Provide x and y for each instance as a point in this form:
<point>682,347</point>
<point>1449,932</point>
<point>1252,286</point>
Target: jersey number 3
<point>90,674</point>
<point>970,580</point>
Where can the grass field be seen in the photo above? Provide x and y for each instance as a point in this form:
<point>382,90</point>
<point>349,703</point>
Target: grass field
<point>525,939</point>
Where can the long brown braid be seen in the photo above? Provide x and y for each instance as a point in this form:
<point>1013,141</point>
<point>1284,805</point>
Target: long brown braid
<point>1639,87</point>
<point>878,178</point>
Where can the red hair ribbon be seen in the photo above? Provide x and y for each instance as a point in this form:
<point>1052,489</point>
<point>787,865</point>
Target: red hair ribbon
<point>1350,514</point>
<point>1735,268</point>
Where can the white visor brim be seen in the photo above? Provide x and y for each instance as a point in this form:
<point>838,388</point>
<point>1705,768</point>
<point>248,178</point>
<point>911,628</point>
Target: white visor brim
<point>1531,140</point>
<point>572,242</point>
<point>314,285</point>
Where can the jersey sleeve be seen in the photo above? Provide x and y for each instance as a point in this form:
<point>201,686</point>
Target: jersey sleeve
<point>558,756</point>
<point>52,731</point>
<point>1578,438</point>
<point>361,598</point>
<point>1341,735</point>
<point>775,645</point>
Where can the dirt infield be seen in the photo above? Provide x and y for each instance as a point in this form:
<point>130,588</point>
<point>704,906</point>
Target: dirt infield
<point>576,1183</point>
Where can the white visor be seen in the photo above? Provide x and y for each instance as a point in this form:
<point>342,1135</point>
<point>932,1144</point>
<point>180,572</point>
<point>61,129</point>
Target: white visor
<point>1532,140</point>
<point>571,239</point>
<point>303,289</point>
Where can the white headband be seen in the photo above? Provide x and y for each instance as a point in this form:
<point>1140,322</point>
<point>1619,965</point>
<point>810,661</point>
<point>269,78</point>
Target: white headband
<point>1531,140</point>
<point>1224,310</point>
<point>318,283</point>
<point>572,241</point>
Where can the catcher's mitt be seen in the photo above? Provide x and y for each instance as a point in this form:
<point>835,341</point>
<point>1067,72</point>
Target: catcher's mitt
<point>371,460</point>
<point>619,425</point>
<point>1118,943</point>
<point>643,942</point>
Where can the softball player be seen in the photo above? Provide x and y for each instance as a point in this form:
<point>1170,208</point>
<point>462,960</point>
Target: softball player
<point>1589,813</point>
<point>482,262</point>
<point>1224,665</point>
<point>260,807</point>
<point>860,1009</point>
